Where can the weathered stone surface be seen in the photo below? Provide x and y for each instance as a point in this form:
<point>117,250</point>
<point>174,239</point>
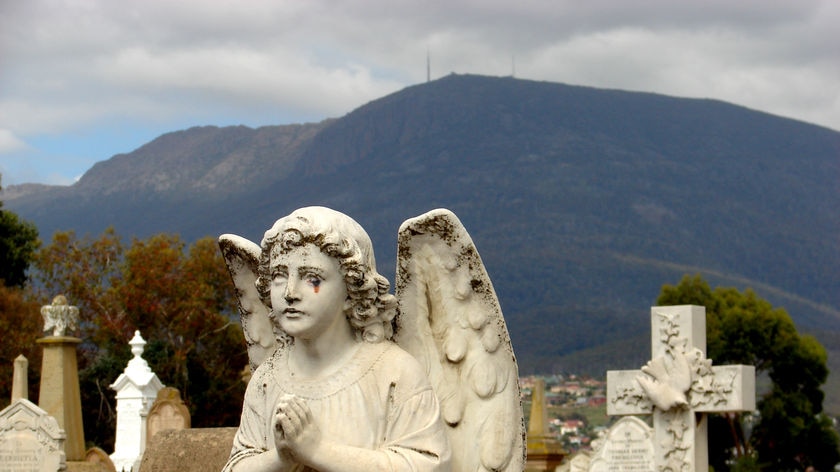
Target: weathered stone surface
<point>188,450</point>
<point>316,314</point>
<point>87,466</point>
<point>20,381</point>
<point>60,316</point>
<point>677,385</point>
<point>30,439</point>
<point>101,459</point>
<point>59,395</point>
<point>167,412</point>
<point>627,447</point>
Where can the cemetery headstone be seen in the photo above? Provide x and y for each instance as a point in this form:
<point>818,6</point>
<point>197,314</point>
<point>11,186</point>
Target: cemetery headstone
<point>580,462</point>
<point>627,447</point>
<point>136,387</point>
<point>167,412</point>
<point>188,450</point>
<point>678,386</point>
<point>30,439</point>
<point>97,456</point>
<point>59,394</point>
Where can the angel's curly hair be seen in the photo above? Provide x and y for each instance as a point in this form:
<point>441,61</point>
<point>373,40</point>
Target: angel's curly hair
<point>371,308</point>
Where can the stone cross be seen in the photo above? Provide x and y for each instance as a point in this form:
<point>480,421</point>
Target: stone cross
<point>678,386</point>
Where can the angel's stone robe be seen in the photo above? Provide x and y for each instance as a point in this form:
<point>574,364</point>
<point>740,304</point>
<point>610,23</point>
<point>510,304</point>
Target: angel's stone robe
<point>381,399</point>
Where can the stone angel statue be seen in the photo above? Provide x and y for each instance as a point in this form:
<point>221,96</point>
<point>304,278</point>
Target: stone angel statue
<point>347,376</point>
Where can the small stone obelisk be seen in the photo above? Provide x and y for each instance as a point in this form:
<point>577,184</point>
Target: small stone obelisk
<point>544,451</point>
<point>20,381</point>
<point>60,395</point>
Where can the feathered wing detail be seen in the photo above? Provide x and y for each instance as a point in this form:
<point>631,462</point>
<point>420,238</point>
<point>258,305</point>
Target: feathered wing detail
<point>242,257</point>
<point>449,318</point>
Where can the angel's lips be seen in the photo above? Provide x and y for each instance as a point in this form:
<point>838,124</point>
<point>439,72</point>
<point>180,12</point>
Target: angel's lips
<point>292,313</point>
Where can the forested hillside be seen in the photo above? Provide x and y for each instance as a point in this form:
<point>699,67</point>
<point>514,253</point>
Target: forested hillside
<point>582,201</point>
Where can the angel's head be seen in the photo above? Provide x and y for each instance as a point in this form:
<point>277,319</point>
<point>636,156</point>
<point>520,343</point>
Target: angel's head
<point>369,308</point>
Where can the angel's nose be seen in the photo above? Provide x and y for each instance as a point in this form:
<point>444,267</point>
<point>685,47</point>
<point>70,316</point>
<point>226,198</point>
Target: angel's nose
<point>291,292</point>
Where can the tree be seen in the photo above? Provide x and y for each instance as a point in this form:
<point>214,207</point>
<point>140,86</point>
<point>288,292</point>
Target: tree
<point>791,433</point>
<point>18,243</point>
<point>180,298</point>
<point>20,323</point>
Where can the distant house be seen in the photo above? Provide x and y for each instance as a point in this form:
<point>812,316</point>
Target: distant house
<point>596,400</point>
<point>571,427</point>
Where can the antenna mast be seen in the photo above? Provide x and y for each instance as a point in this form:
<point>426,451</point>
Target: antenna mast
<point>428,67</point>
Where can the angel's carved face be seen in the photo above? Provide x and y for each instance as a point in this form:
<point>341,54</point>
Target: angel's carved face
<point>308,292</point>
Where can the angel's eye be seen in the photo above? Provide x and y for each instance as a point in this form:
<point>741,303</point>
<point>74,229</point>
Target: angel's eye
<point>314,281</point>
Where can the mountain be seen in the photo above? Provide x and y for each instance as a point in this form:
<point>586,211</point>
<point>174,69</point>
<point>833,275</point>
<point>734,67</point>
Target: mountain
<point>583,202</point>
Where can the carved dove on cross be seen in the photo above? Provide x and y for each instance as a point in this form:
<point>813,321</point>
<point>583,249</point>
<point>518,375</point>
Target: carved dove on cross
<point>676,384</point>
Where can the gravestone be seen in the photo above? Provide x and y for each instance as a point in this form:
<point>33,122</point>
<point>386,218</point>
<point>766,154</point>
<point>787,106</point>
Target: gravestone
<point>188,450</point>
<point>579,463</point>
<point>59,394</point>
<point>167,412</point>
<point>678,386</point>
<point>136,388</point>
<point>101,458</point>
<point>627,447</point>
<point>30,439</point>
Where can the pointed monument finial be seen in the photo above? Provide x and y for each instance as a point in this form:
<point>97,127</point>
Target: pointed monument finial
<point>20,381</point>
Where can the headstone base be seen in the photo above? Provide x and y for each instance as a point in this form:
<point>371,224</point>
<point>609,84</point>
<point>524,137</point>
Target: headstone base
<point>83,466</point>
<point>188,450</point>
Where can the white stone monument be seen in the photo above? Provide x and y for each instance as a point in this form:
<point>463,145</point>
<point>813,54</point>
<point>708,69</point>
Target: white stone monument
<point>626,447</point>
<point>431,388</point>
<point>137,387</point>
<point>30,439</point>
<point>677,386</point>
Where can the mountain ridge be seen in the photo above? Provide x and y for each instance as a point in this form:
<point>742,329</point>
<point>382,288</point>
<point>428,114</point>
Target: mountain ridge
<point>581,201</point>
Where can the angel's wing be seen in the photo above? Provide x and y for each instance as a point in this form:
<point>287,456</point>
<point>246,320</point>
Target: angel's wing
<point>242,257</point>
<point>449,318</point>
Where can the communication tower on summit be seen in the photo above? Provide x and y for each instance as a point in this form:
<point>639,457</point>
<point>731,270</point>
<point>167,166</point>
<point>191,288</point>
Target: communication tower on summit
<point>428,67</point>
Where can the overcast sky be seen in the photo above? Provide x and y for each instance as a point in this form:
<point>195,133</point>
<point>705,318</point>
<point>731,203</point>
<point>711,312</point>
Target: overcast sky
<point>82,80</point>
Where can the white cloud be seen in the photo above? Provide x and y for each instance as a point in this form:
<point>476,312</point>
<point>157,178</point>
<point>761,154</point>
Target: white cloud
<point>9,142</point>
<point>71,65</point>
